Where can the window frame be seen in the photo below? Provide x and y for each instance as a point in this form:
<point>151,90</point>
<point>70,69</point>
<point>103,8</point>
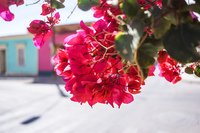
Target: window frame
<point>23,47</point>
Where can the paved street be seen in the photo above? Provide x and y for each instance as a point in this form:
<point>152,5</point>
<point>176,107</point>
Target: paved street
<point>41,105</point>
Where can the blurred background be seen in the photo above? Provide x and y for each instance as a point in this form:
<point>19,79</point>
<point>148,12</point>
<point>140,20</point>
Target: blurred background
<point>34,100</point>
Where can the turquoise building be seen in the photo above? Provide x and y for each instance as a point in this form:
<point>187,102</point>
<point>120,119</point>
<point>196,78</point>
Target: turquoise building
<point>18,55</point>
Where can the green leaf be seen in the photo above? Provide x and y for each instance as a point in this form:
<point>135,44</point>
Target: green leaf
<point>144,60</point>
<point>136,28</point>
<point>145,72</point>
<point>56,4</point>
<point>155,13</point>
<point>145,55</point>
<point>130,7</point>
<point>197,1</point>
<point>171,17</point>
<point>149,49</point>
<point>188,70</point>
<point>157,43</point>
<point>161,27</point>
<point>197,71</point>
<point>184,17</point>
<point>127,42</point>
<point>180,42</point>
<point>164,4</point>
<point>62,1</point>
<point>192,7</point>
<point>123,46</point>
<point>175,3</point>
<point>87,4</point>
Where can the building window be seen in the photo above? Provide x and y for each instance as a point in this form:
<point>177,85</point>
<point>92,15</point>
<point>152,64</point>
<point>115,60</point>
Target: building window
<point>3,58</point>
<point>20,54</point>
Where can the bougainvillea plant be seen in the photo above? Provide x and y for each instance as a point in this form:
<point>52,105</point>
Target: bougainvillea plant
<point>109,61</point>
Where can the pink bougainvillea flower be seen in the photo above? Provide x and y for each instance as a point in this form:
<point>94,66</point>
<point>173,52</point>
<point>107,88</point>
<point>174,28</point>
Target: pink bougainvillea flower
<point>119,92</point>
<point>162,56</point>
<point>4,8</point>
<point>78,62</point>
<point>41,32</point>
<point>47,9</point>
<point>54,20</point>
<point>100,66</point>
<point>87,29</point>
<point>6,14</point>
<point>97,69</point>
<point>97,93</point>
<point>37,27</point>
<point>134,86</point>
<point>61,63</point>
<point>169,68</point>
<point>40,39</point>
<point>194,17</point>
<point>151,71</point>
<point>147,6</point>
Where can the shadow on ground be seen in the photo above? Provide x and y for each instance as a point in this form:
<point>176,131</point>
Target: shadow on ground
<point>48,80</point>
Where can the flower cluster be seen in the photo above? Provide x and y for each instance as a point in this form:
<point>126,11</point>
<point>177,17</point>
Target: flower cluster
<point>4,8</point>
<point>169,68</point>
<point>92,68</point>
<point>146,4</point>
<point>41,29</point>
<point>41,32</point>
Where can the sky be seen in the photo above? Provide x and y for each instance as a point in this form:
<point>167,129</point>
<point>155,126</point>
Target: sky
<point>24,15</point>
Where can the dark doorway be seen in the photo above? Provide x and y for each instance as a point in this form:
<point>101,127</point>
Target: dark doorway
<point>2,61</point>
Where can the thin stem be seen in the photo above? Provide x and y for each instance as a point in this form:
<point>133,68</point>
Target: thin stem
<point>119,20</point>
<point>99,43</point>
<point>150,2</point>
<point>165,14</point>
<point>71,12</point>
<point>33,3</point>
<point>135,55</point>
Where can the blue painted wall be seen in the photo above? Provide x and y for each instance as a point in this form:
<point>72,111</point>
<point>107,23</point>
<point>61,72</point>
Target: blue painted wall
<point>31,57</point>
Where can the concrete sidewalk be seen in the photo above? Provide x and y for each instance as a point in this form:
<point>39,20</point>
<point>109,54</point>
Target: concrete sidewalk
<point>27,106</point>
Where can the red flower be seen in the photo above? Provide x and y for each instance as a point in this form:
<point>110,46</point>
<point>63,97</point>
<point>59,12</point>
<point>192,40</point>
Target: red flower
<point>4,8</point>
<point>119,93</point>
<point>100,66</point>
<point>61,64</point>
<point>162,56</point>
<point>41,32</point>
<point>79,64</point>
<point>101,11</point>
<point>97,69</point>
<point>47,9</point>
<point>134,86</point>
<point>169,68</point>
<point>97,93</point>
<point>151,71</point>
<point>147,6</point>
<point>37,27</point>
<point>54,20</point>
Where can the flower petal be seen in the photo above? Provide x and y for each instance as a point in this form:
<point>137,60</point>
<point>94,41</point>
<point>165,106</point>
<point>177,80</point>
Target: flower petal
<point>6,14</point>
<point>40,39</point>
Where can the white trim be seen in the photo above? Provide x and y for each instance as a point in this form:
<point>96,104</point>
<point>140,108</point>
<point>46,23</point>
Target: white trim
<point>3,46</point>
<point>16,37</point>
